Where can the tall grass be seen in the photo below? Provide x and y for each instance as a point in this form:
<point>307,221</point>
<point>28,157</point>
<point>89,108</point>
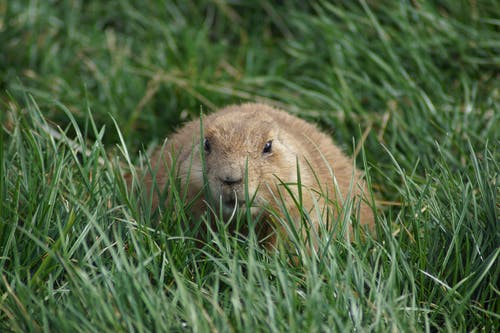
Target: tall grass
<point>410,88</point>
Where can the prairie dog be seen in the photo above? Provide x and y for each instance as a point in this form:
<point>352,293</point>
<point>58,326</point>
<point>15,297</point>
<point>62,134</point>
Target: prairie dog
<point>260,146</point>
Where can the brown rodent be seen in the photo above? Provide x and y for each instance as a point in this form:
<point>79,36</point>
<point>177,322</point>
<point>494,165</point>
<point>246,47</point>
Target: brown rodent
<point>265,144</point>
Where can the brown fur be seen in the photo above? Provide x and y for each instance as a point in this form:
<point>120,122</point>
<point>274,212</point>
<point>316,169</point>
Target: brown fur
<point>237,135</point>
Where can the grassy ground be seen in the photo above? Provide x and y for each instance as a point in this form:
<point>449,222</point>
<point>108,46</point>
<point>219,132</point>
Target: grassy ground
<point>417,82</point>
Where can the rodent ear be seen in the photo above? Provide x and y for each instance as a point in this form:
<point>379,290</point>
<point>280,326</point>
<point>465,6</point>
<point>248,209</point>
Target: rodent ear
<point>268,147</point>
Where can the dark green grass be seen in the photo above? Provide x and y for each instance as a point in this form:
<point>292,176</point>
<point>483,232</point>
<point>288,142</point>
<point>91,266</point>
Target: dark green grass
<point>416,83</point>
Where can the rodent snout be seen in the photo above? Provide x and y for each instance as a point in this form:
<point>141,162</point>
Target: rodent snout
<point>231,180</point>
<point>230,176</point>
<point>230,188</point>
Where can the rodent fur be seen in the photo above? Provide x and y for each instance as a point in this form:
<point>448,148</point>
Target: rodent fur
<point>234,143</point>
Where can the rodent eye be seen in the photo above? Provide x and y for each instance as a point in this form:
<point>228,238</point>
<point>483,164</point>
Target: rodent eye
<point>206,145</point>
<point>268,147</point>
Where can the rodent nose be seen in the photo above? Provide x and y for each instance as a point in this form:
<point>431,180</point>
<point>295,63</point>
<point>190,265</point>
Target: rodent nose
<point>230,175</point>
<point>231,180</point>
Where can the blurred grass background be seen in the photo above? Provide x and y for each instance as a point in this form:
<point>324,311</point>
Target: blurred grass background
<point>416,82</point>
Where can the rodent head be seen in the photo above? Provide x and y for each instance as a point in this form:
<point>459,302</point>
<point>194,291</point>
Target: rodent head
<point>245,148</point>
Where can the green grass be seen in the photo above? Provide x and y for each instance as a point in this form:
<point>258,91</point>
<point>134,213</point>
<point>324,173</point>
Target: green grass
<point>416,82</point>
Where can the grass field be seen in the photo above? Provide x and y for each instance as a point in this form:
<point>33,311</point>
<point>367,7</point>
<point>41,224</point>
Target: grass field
<point>411,88</point>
